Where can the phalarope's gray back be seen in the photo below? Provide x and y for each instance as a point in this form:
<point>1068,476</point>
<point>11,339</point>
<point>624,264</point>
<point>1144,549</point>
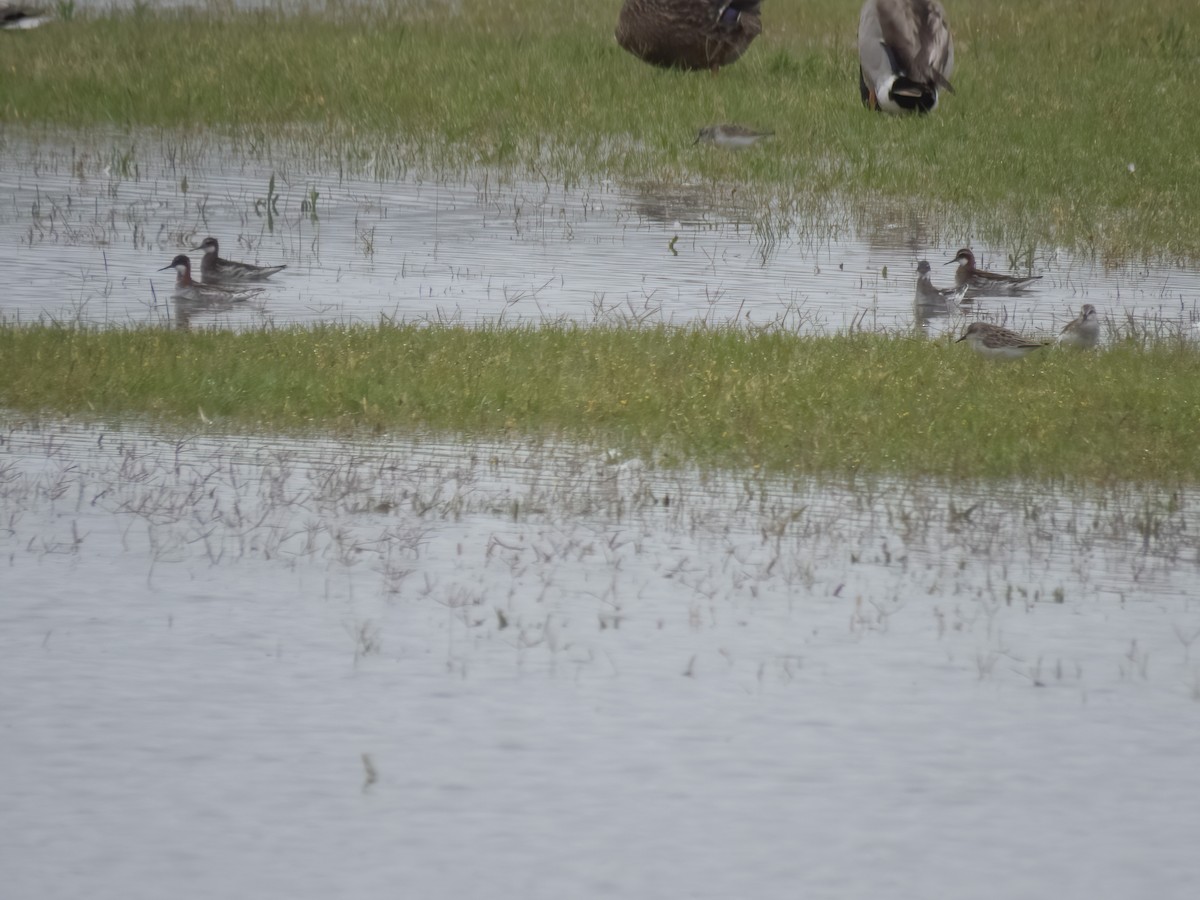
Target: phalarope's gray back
<point>213,269</point>
<point>905,55</point>
<point>969,276</point>
<point>1082,333</point>
<point>188,289</point>
<point>734,137</point>
<point>994,342</point>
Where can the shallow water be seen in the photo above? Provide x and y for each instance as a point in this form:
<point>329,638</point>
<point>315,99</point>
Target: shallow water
<point>576,675</point>
<point>85,224</point>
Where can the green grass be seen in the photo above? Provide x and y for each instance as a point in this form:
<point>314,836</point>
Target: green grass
<point>1054,102</point>
<point>720,397</point>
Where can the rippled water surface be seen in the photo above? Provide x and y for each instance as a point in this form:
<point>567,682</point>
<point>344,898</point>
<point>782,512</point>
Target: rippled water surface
<point>232,666</point>
<point>85,224</point>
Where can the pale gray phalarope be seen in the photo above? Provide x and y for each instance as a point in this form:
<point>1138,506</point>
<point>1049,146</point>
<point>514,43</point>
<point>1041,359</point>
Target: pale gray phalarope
<point>1082,333</point>
<point>930,301</point>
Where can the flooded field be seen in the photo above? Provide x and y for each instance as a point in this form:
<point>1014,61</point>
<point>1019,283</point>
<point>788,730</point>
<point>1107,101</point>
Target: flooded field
<point>85,224</point>
<point>432,665</point>
<point>242,666</point>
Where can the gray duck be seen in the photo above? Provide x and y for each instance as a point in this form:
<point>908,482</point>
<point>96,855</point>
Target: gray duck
<point>905,53</point>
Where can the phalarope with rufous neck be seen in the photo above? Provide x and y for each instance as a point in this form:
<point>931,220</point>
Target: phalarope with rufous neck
<point>213,269</point>
<point>188,289</point>
<point>970,276</point>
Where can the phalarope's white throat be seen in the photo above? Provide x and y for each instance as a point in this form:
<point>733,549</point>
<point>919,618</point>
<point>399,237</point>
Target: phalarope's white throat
<point>213,269</point>
<point>1082,333</point>
<point>188,289</point>
<point>994,342</point>
<point>905,55</point>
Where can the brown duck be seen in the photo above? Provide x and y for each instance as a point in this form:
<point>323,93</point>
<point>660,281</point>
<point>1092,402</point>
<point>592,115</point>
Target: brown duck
<point>689,34</point>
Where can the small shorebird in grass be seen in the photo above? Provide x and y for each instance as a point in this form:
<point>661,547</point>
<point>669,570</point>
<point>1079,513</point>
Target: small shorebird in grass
<point>905,55</point>
<point>213,269</point>
<point>994,342</point>
<point>735,137</point>
<point>1082,333</point>
<point>188,289</point>
<point>970,276</point>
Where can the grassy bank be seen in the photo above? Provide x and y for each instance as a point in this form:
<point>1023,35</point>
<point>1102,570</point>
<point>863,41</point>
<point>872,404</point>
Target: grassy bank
<point>1054,105</point>
<point>717,397</point>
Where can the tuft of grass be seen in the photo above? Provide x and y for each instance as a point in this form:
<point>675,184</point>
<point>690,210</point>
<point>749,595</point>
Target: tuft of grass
<point>1064,129</point>
<point>716,397</point>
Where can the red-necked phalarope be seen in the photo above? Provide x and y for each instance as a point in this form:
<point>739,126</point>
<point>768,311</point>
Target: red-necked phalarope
<point>187,289</point>
<point>213,269</point>
<point>995,342</point>
<point>976,280</point>
<point>1082,333</point>
<point>905,55</point>
<point>689,34</point>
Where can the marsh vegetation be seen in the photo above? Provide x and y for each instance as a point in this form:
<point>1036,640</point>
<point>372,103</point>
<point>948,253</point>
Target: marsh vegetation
<point>503,88</point>
<point>581,504</point>
<point>224,625</point>
<point>1064,129</point>
<point>719,397</point>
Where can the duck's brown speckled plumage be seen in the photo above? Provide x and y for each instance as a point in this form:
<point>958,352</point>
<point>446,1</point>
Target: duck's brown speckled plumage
<point>689,34</point>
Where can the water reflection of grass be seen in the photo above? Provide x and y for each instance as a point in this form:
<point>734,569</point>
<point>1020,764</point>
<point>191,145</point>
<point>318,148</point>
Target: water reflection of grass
<point>714,396</point>
<point>1065,127</point>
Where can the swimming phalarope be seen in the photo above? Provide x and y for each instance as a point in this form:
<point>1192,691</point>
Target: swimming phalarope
<point>689,34</point>
<point>967,275</point>
<point>1082,333</point>
<point>905,53</point>
<point>994,342</point>
<point>734,137</point>
<point>187,289</point>
<point>930,301</point>
<point>213,269</point>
